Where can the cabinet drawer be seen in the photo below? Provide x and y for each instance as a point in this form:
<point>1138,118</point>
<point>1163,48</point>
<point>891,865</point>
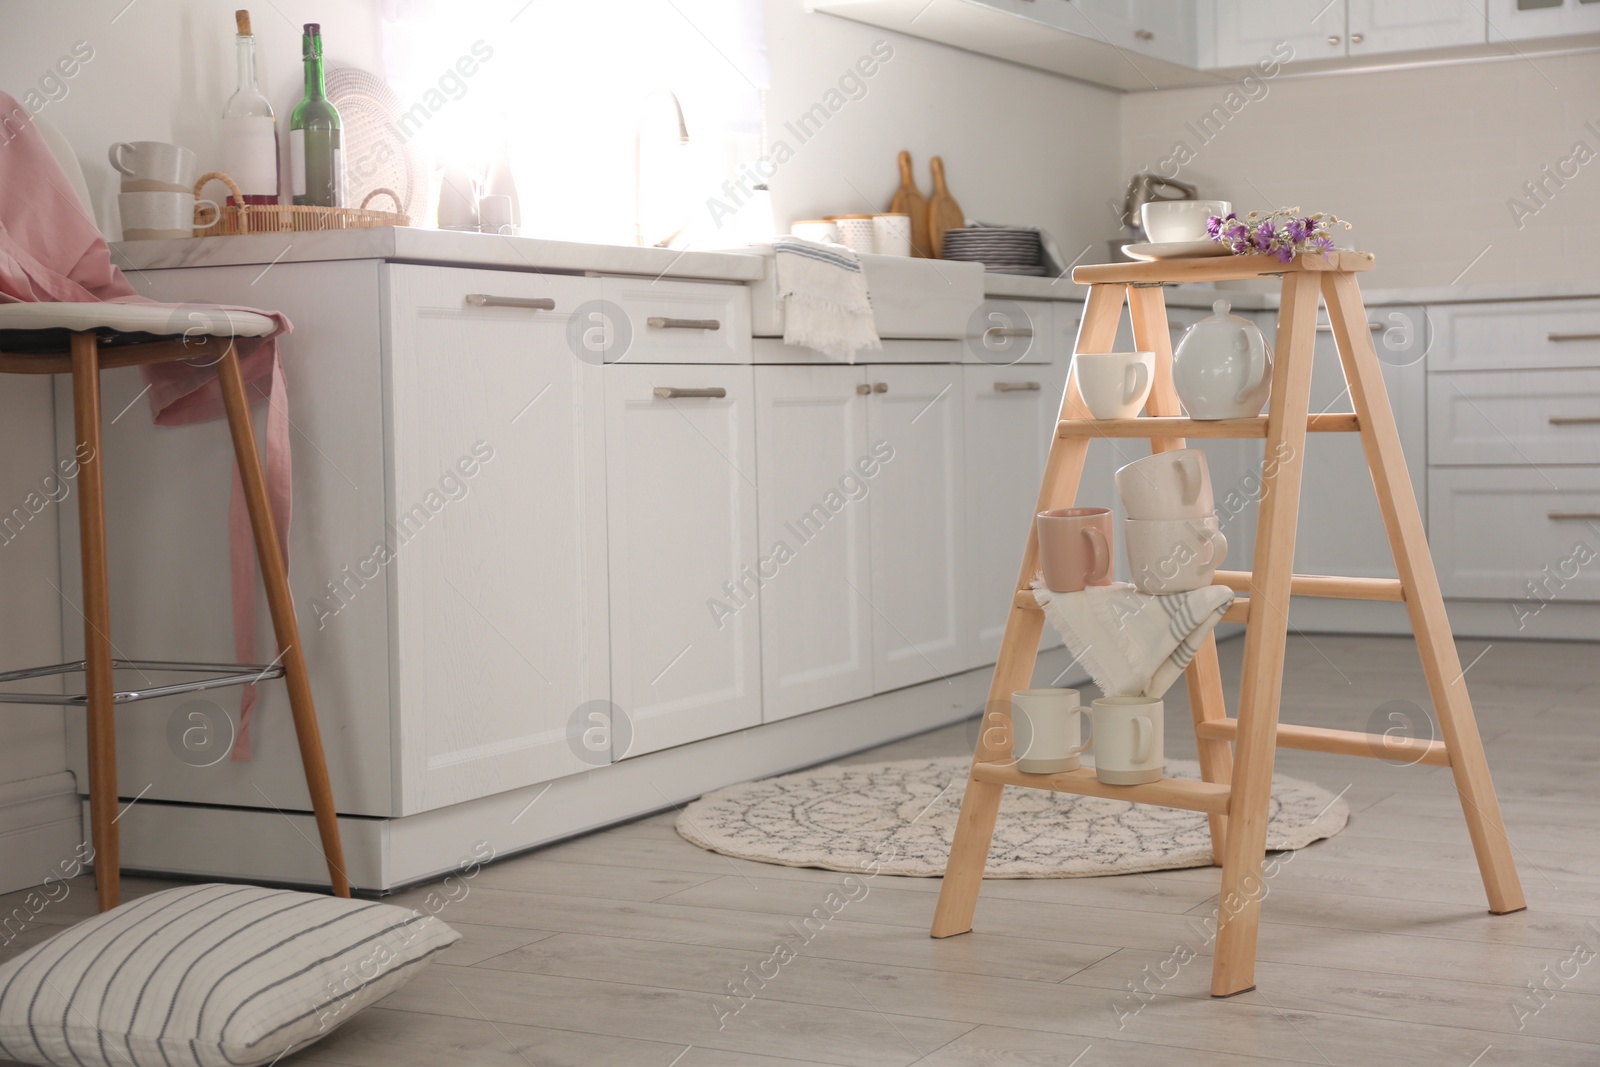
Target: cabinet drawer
<point>1516,336</point>
<point>1504,534</point>
<point>665,321</point>
<point>1511,419</point>
<point>1004,332</point>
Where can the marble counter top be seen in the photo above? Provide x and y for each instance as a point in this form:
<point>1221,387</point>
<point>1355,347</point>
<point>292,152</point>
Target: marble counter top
<point>411,245</point>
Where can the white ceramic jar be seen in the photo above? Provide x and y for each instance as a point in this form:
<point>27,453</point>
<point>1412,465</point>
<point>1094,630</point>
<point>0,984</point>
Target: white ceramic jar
<point>1223,367</point>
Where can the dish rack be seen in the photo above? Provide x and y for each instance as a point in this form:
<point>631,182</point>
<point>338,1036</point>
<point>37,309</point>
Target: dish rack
<point>241,218</point>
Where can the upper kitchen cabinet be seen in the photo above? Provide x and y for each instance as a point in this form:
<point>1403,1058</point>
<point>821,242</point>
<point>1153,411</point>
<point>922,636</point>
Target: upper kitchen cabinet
<point>1137,45</point>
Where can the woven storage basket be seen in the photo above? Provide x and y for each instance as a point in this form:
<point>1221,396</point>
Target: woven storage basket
<point>239,217</point>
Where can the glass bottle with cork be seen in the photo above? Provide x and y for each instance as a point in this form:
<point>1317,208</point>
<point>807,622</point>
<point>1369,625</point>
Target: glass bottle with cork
<point>316,155</point>
<point>249,127</point>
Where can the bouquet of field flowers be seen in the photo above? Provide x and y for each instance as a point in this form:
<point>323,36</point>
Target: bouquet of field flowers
<point>1282,234</point>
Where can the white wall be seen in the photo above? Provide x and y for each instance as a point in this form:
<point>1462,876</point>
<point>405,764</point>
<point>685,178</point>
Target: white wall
<point>1423,162</point>
<point>1019,145</point>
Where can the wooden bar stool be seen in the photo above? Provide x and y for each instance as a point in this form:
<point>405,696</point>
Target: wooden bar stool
<point>82,340</point>
<point>1236,754</point>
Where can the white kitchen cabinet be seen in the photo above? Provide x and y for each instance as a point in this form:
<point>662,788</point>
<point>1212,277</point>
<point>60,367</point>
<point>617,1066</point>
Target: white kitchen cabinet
<point>1340,530</point>
<point>1377,26</point>
<point>817,475</point>
<point>919,589</point>
<point>681,517</point>
<point>1164,29</point>
<point>497,526</point>
<point>1009,413</point>
<point>1522,20</point>
<point>1250,31</point>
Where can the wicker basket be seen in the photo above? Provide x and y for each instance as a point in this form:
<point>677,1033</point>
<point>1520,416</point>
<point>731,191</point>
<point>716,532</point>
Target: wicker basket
<point>239,217</point>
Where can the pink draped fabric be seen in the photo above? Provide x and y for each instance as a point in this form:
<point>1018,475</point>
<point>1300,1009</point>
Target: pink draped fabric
<point>52,251</point>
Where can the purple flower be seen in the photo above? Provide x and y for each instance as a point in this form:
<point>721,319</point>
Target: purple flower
<point>1323,244</point>
<point>1300,230</point>
<point>1214,226</point>
<point>1283,253</point>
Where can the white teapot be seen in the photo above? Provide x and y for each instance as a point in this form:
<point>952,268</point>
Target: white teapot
<point>1223,367</point>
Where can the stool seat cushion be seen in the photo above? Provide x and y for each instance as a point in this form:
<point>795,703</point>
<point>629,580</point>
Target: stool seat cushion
<point>207,976</point>
<point>156,320</point>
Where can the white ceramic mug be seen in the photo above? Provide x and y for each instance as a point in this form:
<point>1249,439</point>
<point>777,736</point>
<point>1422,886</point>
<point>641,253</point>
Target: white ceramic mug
<point>856,233</point>
<point>154,216</point>
<point>1167,556</point>
<point>1128,740</point>
<point>153,161</point>
<point>1044,730</point>
<point>820,230</point>
<point>1177,221</point>
<point>1168,485</point>
<point>891,234</point>
<point>494,214</point>
<point>1114,385</point>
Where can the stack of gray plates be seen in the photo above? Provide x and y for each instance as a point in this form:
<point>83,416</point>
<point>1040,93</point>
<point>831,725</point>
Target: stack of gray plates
<point>1004,249</point>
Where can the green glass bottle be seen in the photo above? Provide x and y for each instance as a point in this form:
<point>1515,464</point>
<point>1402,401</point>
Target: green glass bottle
<point>315,150</point>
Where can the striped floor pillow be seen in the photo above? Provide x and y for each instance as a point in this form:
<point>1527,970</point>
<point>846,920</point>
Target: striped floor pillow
<point>224,975</point>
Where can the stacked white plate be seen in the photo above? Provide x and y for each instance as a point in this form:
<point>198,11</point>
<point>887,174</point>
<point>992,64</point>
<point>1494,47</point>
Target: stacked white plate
<point>1003,249</point>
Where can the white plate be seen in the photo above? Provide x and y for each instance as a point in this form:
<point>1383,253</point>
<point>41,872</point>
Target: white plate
<point>376,151</point>
<point>1176,250</point>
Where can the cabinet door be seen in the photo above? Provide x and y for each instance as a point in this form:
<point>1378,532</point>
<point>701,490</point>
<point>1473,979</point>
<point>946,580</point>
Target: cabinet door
<point>1009,414</point>
<point>919,594</point>
<point>1383,26</point>
<point>681,495</point>
<point>815,472</point>
<point>1249,31</point>
<point>1341,530</point>
<point>497,531</point>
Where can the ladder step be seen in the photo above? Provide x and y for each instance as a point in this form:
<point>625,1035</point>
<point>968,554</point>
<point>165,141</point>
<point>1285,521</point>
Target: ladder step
<point>1173,426</point>
<point>1327,587</point>
<point>1338,742</point>
<point>1167,793</point>
<point>1238,611</point>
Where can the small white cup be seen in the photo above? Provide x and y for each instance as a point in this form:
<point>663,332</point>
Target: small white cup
<point>1114,385</point>
<point>1044,730</point>
<point>153,161</point>
<point>857,234</point>
<point>1167,556</point>
<point>494,214</point>
<point>891,234</point>
<point>1175,221</point>
<point>1128,741</point>
<point>816,230</point>
<point>1168,485</point>
<point>156,216</point>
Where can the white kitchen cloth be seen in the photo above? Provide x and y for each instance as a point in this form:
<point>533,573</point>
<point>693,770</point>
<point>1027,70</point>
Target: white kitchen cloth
<point>1133,644</point>
<point>825,300</point>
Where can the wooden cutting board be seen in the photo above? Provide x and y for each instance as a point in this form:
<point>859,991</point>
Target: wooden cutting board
<point>908,200</point>
<point>943,211</point>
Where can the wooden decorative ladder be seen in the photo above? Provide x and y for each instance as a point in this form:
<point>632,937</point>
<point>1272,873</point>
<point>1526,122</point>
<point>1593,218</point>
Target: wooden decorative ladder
<point>1236,754</point>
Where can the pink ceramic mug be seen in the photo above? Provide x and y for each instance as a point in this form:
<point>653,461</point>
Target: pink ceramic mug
<point>1075,548</point>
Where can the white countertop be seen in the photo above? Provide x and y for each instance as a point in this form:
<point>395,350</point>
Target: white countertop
<point>411,245</point>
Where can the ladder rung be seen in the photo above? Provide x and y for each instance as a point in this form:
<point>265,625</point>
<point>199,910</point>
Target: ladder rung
<point>1238,611</point>
<point>1168,792</point>
<point>1173,426</point>
<point>1338,742</point>
<point>1328,587</point>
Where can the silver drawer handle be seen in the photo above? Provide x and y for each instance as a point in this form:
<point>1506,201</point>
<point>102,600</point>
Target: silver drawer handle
<point>667,392</point>
<point>1008,331</point>
<point>1574,420</point>
<point>863,389</point>
<point>660,322</point>
<point>1327,327</point>
<point>1572,337</point>
<point>483,300</point>
<point>880,387</point>
<point>1017,387</point>
<point>1585,516</point>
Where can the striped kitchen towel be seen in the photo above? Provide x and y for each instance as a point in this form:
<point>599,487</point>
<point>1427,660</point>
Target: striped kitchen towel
<point>825,301</point>
<point>1133,644</point>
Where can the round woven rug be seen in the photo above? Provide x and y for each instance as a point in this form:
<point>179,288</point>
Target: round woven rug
<point>902,815</point>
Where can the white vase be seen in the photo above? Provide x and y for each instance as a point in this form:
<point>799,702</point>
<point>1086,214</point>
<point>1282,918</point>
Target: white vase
<point>1223,367</point>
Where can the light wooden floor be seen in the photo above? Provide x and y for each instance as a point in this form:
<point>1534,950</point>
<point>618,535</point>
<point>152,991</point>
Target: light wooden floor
<point>1376,948</point>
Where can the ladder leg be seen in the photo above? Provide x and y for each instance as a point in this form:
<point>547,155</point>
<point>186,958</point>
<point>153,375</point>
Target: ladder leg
<point>1151,333</point>
<point>969,852</point>
<point>1424,600</point>
<point>1239,902</point>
